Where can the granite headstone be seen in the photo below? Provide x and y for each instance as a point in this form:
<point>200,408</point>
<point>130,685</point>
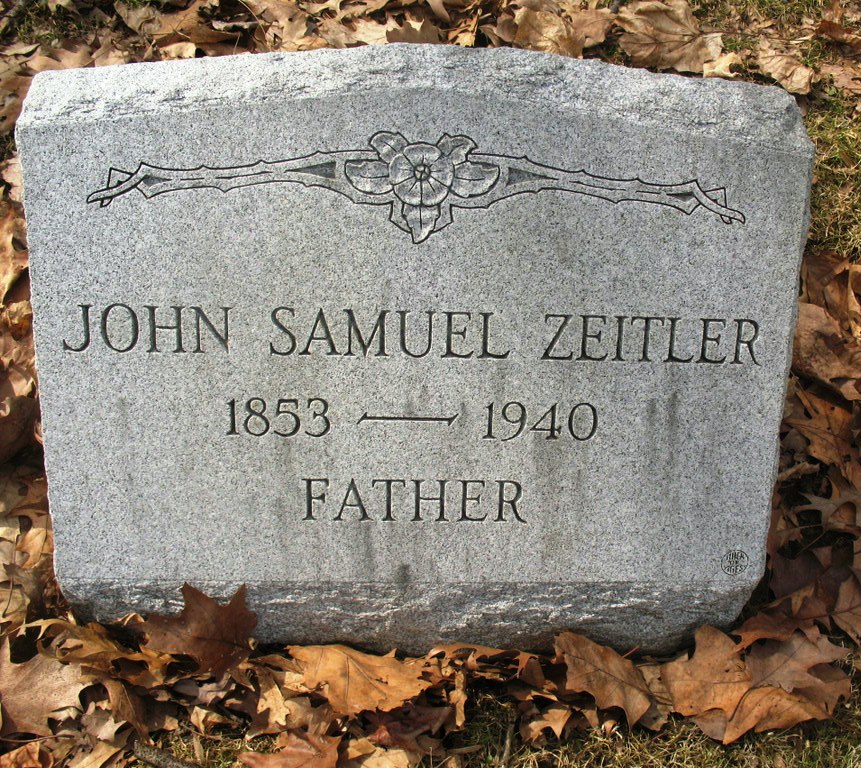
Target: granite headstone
<point>300,326</point>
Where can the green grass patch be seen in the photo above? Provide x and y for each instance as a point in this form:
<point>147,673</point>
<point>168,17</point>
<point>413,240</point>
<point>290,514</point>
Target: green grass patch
<point>835,128</point>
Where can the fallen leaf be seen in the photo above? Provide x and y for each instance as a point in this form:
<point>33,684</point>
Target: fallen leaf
<point>714,678</point>
<point>215,636</point>
<point>301,751</point>
<point>403,726</point>
<point>98,756</point>
<point>765,709</point>
<point>846,77</point>
<point>832,685</point>
<point>722,66</point>
<point>31,691</point>
<point>30,755</point>
<point>849,38</point>
<point>664,34</point>
<point>847,609</point>
<point>354,682</point>
<point>598,670</point>
<point>140,18</point>
<point>765,626</point>
<point>415,31</point>
<point>178,50</point>
<point>592,25</point>
<point>787,663</point>
<point>827,425</point>
<point>555,717</point>
<point>545,31</point>
<point>13,250</point>
<point>127,706</point>
<point>784,67</point>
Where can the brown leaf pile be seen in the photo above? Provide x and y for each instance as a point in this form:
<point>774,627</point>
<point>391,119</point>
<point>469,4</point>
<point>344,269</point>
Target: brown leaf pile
<point>89,696</point>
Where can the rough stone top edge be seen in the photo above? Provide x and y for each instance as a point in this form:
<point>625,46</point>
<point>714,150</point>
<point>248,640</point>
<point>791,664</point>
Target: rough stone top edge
<point>735,112</point>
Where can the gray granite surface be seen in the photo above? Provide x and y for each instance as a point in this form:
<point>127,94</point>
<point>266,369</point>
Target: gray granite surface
<point>283,301</point>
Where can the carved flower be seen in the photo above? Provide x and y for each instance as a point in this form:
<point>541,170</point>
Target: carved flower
<point>421,177</point>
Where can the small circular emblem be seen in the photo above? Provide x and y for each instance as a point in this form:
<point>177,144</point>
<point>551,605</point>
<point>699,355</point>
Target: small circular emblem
<point>734,562</point>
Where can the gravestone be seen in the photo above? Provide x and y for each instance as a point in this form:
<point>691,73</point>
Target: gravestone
<point>419,343</point>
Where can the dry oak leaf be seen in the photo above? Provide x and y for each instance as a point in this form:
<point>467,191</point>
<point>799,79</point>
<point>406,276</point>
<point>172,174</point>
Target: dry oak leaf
<point>828,426</point>
<point>785,68</point>
<point>722,66</point>
<point>31,755</point>
<point>354,682</point>
<point>101,656</point>
<point>361,753</point>
<point>766,626</point>
<point>188,26</point>
<point>547,32</point>
<point>30,692</point>
<point>555,717</point>
<point>714,678</point>
<point>665,34</point>
<point>18,417</point>
<point>851,38</point>
<point>301,750</point>
<point>215,636</point>
<point>787,663</point>
<point>403,726</point>
<point>415,31</point>
<point>762,709</point>
<point>822,351</point>
<point>595,669</point>
<point>13,249</point>
<point>592,25</point>
<point>143,19</point>
<point>847,77</point>
<point>834,283</point>
<point>847,609</point>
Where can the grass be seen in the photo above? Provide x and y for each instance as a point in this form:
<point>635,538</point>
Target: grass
<point>834,744</point>
<point>836,212</point>
<point>783,12</point>
<point>35,23</point>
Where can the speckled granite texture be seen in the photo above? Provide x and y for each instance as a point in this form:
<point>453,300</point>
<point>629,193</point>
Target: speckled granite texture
<point>286,302</point>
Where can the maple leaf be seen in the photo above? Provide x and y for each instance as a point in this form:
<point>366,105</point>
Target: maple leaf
<point>301,750</point>
<point>595,669</point>
<point>354,682</point>
<point>31,691</point>
<point>665,34</point>
<point>714,678</point>
<point>215,636</point>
